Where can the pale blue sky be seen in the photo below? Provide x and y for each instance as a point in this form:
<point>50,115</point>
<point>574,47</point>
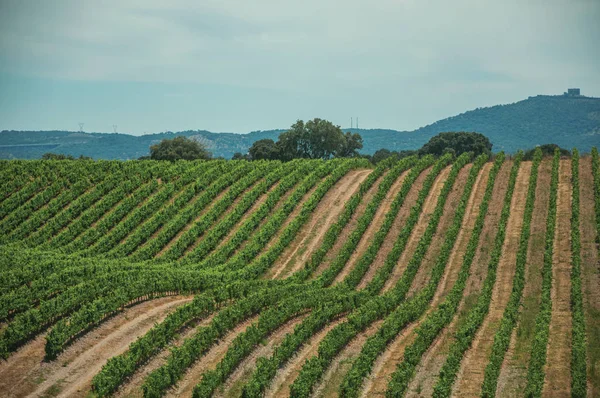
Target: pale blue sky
<point>239,65</point>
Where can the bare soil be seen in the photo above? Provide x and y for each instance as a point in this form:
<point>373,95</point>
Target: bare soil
<point>326,212</point>
<point>397,226</point>
<point>394,354</point>
<point>424,274</point>
<point>347,231</point>
<point>513,375</point>
<point>590,274</point>
<point>234,385</point>
<point>470,376</point>
<point>418,230</point>
<point>133,386</point>
<point>432,361</point>
<point>280,386</point>
<point>558,358</point>
<point>207,362</point>
<point>71,374</point>
<point>376,223</point>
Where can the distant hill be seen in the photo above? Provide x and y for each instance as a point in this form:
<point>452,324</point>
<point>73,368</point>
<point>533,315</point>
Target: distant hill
<point>566,121</point>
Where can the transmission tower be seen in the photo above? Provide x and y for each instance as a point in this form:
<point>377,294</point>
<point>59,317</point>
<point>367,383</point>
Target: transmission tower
<point>115,128</point>
<point>81,127</point>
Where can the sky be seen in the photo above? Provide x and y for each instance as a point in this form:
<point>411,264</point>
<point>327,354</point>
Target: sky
<point>239,66</point>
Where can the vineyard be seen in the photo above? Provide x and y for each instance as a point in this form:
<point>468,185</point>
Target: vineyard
<point>425,276</point>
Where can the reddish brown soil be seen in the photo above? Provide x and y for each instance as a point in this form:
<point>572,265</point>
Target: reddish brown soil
<point>428,370</point>
<point>309,237</point>
<point>234,384</point>
<point>397,226</point>
<point>207,362</point>
<point>590,274</point>
<point>418,230</point>
<point>375,225</point>
<point>347,231</point>
<point>470,377</point>
<point>513,374</point>
<point>558,359</point>
<point>280,387</point>
<point>71,374</point>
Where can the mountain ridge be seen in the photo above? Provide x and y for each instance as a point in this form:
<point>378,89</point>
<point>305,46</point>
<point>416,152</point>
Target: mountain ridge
<point>564,120</point>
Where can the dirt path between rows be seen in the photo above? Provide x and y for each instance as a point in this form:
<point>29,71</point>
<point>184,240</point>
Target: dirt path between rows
<point>388,244</point>
<point>558,358</point>
<point>419,229</point>
<point>334,376</point>
<point>386,364</point>
<point>25,373</point>
<point>348,229</point>
<point>235,383</point>
<point>513,374</point>
<point>424,274</point>
<point>470,376</point>
<point>428,369</point>
<point>590,274</point>
<point>310,235</point>
<point>209,361</point>
<point>285,376</point>
<point>133,386</point>
<point>374,226</point>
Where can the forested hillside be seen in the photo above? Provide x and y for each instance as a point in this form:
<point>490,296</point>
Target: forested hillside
<point>566,121</point>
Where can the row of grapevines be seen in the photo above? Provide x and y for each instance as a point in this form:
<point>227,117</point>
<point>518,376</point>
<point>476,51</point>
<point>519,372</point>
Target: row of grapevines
<point>411,310</point>
<point>341,335</point>
<point>250,226</point>
<point>140,214</point>
<point>246,260</point>
<point>596,174</point>
<point>221,228</point>
<point>23,195</point>
<point>146,230</point>
<point>220,182</point>
<point>181,358</point>
<point>207,220</point>
<point>268,322</point>
<point>383,273</point>
<point>260,265</point>
<point>511,312</point>
<point>73,210</point>
<point>439,318</point>
<point>363,264</point>
<point>535,372</point>
<point>118,368</point>
<point>334,231</point>
<point>467,331</point>
<point>266,368</point>
<point>578,344</point>
<point>363,222</point>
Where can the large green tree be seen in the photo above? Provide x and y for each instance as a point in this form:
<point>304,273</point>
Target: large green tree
<point>264,149</point>
<point>317,139</point>
<point>458,143</point>
<point>179,148</point>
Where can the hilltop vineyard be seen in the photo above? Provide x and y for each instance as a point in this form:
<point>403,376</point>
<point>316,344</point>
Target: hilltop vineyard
<point>437,277</point>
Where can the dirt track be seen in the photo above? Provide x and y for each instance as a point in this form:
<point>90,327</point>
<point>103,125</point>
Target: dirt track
<point>72,372</point>
<point>513,374</point>
<point>309,237</point>
<point>413,241</point>
<point>432,361</point>
<point>470,376</point>
<point>558,362</point>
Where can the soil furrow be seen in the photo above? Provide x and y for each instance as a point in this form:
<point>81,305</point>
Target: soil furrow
<point>326,212</point>
<point>399,222</point>
<point>432,361</point>
<point>513,374</point>
<point>558,358</point>
<point>470,376</point>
